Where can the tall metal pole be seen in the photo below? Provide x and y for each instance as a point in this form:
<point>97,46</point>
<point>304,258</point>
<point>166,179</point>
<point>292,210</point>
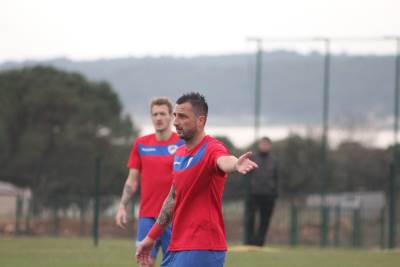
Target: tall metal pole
<point>258,81</point>
<point>325,115</point>
<point>324,145</point>
<point>393,177</point>
<point>257,99</point>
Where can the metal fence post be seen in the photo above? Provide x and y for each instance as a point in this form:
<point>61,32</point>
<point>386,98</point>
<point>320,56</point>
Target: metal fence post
<point>96,202</point>
<point>56,218</point>
<point>382,228</point>
<point>18,214</point>
<point>294,226</point>
<point>324,225</point>
<point>356,228</point>
<point>337,225</point>
<point>29,214</point>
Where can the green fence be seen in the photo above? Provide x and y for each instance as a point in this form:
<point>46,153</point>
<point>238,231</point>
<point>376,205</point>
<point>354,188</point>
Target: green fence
<point>299,224</point>
<point>292,224</point>
<point>295,222</point>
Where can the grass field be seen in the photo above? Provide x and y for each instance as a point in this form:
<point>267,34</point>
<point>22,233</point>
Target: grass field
<point>49,252</point>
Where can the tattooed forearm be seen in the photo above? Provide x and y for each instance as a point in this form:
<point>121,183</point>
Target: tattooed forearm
<point>165,216</point>
<point>126,195</point>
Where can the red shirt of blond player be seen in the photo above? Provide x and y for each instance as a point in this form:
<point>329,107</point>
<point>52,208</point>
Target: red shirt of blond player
<point>153,158</point>
<point>150,162</point>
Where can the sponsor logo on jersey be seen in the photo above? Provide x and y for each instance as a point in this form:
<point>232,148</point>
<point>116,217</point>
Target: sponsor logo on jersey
<point>148,149</point>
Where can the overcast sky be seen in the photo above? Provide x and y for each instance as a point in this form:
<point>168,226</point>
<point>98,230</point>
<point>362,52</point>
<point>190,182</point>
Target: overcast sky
<point>90,29</point>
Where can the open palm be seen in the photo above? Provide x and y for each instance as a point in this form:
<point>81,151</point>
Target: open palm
<point>244,164</point>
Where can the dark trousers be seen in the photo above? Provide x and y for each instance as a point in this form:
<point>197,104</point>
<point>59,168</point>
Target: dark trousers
<point>264,205</point>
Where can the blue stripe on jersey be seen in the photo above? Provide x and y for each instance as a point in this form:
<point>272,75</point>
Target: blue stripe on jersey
<point>180,142</point>
<point>186,162</point>
<point>159,150</point>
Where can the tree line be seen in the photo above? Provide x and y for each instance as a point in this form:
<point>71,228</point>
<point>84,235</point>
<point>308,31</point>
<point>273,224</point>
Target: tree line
<point>54,124</point>
<point>352,166</point>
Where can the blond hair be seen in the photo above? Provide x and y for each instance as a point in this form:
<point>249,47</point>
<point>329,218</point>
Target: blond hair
<point>159,101</point>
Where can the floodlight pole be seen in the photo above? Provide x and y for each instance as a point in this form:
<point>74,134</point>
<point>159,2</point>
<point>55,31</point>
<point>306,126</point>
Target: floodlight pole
<point>324,143</point>
<point>392,189</point>
<point>325,114</point>
<point>258,81</point>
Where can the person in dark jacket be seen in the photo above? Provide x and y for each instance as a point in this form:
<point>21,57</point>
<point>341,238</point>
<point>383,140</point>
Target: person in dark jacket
<point>261,193</point>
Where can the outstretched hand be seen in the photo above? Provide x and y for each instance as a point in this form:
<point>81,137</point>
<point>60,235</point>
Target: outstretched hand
<point>244,164</point>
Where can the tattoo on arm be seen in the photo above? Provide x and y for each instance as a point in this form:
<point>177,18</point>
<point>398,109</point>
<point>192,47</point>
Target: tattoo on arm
<point>165,216</point>
<point>126,195</point>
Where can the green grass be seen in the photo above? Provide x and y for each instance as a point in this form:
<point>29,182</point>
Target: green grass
<point>50,252</point>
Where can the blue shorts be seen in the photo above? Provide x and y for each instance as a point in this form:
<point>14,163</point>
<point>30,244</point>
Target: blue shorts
<point>144,226</point>
<point>194,258</point>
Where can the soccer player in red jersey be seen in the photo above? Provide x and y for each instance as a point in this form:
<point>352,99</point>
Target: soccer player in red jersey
<point>194,203</point>
<point>151,162</point>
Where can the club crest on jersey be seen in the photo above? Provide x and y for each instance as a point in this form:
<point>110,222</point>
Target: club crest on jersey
<point>172,149</point>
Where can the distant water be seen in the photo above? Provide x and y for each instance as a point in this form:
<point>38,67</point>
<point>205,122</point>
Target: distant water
<point>242,136</point>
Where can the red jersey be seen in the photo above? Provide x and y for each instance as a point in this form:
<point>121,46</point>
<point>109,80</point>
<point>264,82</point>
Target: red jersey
<point>197,219</point>
<point>154,161</point>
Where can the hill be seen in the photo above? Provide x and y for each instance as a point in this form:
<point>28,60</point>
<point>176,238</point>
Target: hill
<point>361,86</point>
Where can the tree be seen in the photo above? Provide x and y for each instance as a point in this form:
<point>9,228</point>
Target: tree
<point>54,125</point>
<point>358,167</point>
<point>298,160</point>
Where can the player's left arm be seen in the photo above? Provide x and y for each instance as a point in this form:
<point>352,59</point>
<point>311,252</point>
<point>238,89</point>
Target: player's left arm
<point>163,220</point>
<point>230,163</point>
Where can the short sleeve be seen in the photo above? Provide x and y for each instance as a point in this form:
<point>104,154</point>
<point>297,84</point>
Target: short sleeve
<point>134,161</point>
<point>217,149</point>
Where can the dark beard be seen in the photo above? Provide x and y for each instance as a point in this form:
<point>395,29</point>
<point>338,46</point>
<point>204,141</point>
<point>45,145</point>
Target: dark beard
<point>188,135</point>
